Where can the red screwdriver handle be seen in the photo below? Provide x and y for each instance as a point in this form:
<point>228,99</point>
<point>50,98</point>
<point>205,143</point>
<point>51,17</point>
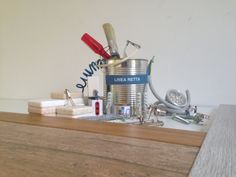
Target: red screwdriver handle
<point>95,45</point>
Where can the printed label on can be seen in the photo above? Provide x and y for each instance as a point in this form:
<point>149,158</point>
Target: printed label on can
<point>126,79</point>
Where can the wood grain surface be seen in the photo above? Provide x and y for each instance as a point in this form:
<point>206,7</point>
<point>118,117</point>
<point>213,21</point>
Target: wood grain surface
<point>36,151</point>
<point>174,136</point>
<point>217,157</point>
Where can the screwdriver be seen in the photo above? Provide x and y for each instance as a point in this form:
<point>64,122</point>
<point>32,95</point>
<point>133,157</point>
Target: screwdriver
<point>95,45</point>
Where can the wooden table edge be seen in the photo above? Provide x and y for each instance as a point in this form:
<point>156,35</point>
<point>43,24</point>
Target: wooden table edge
<point>167,135</point>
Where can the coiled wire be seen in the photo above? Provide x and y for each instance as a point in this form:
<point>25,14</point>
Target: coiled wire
<point>88,72</point>
<point>182,110</point>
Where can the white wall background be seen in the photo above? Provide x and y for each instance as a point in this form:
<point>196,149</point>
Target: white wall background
<point>194,43</point>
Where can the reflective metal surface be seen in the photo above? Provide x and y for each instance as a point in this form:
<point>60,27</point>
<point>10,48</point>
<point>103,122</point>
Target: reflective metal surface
<point>126,94</point>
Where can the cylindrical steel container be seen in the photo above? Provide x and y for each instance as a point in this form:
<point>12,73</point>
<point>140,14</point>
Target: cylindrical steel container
<point>125,81</point>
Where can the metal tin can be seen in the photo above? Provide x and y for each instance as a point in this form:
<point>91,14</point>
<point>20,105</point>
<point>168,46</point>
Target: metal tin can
<point>124,81</point>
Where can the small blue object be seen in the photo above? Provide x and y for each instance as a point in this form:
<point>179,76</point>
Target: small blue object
<point>126,79</point>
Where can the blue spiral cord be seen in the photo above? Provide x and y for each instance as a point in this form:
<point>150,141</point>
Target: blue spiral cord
<point>88,72</point>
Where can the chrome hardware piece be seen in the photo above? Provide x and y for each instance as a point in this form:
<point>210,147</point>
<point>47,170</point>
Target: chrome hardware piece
<point>199,117</point>
<point>180,119</point>
<point>176,98</point>
<point>69,98</point>
<point>156,112</point>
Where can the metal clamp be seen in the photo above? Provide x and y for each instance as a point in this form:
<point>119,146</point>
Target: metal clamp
<point>69,98</point>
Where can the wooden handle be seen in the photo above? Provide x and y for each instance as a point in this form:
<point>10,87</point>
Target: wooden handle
<point>111,39</point>
<point>109,31</point>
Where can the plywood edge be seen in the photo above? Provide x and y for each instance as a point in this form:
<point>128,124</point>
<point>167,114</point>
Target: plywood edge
<point>183,137</point>
<point>217,156</point>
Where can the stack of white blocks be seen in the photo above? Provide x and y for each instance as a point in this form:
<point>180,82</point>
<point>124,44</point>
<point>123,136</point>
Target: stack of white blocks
<point>59,106</point>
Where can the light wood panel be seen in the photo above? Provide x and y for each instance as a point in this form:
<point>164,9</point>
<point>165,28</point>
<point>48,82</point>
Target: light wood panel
<point>217,157</point>
<point>40,151</point>
<point>183,137</point>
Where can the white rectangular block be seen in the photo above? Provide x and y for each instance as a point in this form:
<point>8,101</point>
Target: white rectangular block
<point>61,95</point>
<point>46,103</point>
<point>73,111</point>
<point>38,110</point>
<point>42,103</point>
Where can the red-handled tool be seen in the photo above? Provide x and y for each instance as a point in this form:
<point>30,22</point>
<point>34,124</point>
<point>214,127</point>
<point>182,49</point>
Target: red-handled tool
<point>95,46</point>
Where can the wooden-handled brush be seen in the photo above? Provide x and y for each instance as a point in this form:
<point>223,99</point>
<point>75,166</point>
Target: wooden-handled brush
<point>111,39</point>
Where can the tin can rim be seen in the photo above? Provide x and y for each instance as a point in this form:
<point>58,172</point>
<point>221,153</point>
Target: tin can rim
<point>142,59</point>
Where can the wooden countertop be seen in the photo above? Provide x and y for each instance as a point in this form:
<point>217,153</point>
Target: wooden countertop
<point>183,137</point>
<point>35,146</point>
